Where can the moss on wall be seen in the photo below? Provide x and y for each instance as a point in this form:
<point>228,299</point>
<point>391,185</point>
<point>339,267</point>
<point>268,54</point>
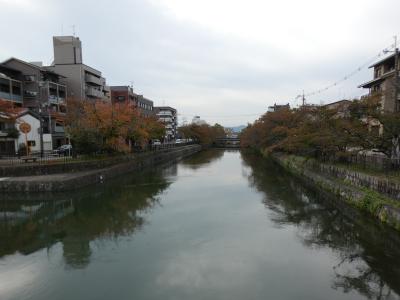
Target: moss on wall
<point>383,208</point>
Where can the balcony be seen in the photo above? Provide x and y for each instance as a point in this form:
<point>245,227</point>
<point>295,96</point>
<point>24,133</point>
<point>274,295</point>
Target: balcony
<point>95,93</point>
<point>93,79</point>
<point>164,113</point>
<point>106,89</point>
<point>11,97</point>
<point>53,99</point>
<point>166,120</point>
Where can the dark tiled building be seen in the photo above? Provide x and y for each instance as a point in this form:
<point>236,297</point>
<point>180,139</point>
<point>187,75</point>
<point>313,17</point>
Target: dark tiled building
<point>384,83</point>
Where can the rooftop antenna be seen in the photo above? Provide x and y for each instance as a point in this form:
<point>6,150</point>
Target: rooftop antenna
<point>73,30</point>
<point>62,29</point>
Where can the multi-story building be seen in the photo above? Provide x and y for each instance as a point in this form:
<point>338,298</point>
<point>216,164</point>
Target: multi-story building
<point>84,82</point>
<point>278,107</point>
<point>169,117</point>
<point>384,83</point>
<point>41,90</point>
<point>125,94</point>
<point>11,85</point>
<point>33,86</point>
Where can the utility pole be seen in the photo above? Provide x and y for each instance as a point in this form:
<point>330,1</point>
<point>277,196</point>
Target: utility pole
<point>41,130</point>
<point>396,73</point>
<point>303,99</point>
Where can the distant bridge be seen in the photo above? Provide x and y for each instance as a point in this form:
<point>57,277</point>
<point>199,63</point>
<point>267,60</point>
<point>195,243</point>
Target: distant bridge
<point>228,142</point>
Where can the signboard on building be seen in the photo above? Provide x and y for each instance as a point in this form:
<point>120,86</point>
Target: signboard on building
<point>25,128</point>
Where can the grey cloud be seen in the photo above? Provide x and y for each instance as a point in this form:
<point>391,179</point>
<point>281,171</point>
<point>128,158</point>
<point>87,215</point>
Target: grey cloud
<point>175,61</point>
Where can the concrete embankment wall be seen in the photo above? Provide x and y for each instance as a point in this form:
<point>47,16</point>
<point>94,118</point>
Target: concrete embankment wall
<point>73,180</point>
<point>73,166</point>
<point>378,197</point>
<point>56,167</point>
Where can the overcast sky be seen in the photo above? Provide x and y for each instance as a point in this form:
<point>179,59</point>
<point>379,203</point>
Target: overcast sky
<point>224,60</point>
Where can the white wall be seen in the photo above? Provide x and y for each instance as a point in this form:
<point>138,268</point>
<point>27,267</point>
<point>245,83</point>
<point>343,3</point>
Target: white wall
<point>34,134</point>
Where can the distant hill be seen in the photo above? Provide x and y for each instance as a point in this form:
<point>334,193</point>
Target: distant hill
<point>237,129</point>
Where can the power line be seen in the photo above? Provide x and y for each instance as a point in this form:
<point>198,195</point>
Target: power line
<point>220,116</point>
<point>351,74</point>
<point>315,92</point>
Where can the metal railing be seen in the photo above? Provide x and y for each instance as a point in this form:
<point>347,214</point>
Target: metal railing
<point>156,147</point>
<point>48,157</point>
<point>51,157</point>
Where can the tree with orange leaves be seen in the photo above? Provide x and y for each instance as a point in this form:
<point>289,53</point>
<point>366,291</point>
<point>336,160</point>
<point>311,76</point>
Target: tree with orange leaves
<point>8,114</point>
<point>204,133</point>
<point>100,126</point>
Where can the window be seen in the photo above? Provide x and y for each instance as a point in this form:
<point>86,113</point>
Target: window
<point>31,143</point>
<point>5,88</point>
<point>120,98</point>
<point>16,89</point>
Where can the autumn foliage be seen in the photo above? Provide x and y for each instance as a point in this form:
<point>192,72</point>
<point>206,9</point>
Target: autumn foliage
<point>204,134</point>
<point>8,108</point>
<point>325,133</point>
<point>101,127</point>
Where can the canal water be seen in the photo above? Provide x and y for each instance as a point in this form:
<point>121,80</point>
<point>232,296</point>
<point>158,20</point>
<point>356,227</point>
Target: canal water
<point>217,225</point>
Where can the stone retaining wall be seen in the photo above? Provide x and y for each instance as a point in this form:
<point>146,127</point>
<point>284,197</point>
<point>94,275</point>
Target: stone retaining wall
<point>59,183</point>
<point>356,189</point>
<point>380,184</point>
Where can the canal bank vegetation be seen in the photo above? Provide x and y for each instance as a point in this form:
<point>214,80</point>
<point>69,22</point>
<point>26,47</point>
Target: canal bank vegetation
<point>100,127</point>
<point>323,145</point>
<point>326,133</point>
<point>205,134</point>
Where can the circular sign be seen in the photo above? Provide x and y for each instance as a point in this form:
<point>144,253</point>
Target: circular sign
<point>25,127</point>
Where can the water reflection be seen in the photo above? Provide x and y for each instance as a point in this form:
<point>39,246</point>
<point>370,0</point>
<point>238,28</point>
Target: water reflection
<point>214,226</point>
<point>367,253</point>
<point>110,211</point>
<point>203,159</point>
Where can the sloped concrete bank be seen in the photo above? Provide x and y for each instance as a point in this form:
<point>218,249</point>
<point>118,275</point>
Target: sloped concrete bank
<point>356,189</point>
<point>73,180</point>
